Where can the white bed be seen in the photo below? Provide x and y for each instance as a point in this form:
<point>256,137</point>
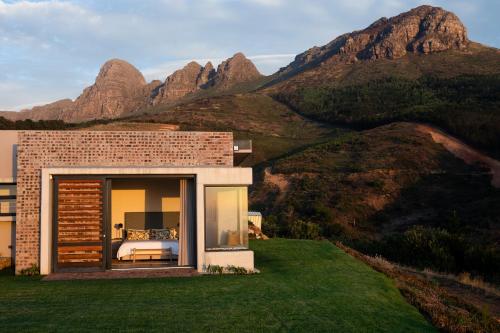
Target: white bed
<point>126,248</point>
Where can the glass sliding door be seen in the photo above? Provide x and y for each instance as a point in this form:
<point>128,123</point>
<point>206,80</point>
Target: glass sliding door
<point>226,218</point>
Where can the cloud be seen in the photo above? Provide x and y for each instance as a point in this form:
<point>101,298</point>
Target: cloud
<point>267,3</point>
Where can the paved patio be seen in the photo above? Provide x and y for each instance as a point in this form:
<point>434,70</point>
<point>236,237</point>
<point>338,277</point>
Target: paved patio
<point>123,274</point>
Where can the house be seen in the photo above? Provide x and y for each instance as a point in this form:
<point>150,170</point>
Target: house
<point>103,200</point>
<point>255,218</point>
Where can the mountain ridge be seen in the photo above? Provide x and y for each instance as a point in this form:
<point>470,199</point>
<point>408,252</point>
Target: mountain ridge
<point>408,44</point>
<point>120,89</point>
<point>423,29</point>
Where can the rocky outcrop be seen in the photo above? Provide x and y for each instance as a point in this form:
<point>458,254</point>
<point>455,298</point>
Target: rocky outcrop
<point>183,82</point>
<point>235,70</point>
<point>424,30</point>
<point>53,110</point>
<point>206,75</point>
<point>193,77</point>
<point>118,89</point>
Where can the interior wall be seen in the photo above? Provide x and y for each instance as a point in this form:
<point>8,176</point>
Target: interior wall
<point>8,162</point>
<point>7,238</point>
<point>143,195</point>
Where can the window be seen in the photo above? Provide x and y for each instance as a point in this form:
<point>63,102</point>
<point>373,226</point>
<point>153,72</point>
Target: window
<point>226,214</point>
<point>7,200</point>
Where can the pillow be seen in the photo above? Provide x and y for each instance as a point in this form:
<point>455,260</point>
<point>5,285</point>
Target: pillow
<point>136,234</point>
<point>163,234</point>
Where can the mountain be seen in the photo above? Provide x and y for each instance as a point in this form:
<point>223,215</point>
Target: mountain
<point>184,81</point>
<point>235,70</point>
<point>53,110</point>
<point>424,29</point>
<point>120,90</point>
<point>193,77</point>
<point>417,66</point>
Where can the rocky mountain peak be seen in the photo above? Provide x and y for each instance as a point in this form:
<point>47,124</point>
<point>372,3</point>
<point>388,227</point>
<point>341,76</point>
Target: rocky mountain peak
<point>180,83</point>
<point>423,30</point>
<point>119,70</point>
<point>118,89</point>
<point>236,69</point>
<point>206,75</point>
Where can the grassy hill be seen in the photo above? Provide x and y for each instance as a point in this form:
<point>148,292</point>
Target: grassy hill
<point>467,106</point>
<point>457,90</point>
<point>303,286</point>
<point>392,191</point>
<point>274,128</point>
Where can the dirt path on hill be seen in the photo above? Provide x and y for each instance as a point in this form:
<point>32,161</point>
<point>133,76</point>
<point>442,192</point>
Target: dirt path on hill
<point>463,151</point>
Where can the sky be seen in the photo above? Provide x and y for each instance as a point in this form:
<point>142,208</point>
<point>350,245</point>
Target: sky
<point>51,50</point>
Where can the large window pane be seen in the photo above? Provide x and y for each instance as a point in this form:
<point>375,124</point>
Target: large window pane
<point>226,214</point>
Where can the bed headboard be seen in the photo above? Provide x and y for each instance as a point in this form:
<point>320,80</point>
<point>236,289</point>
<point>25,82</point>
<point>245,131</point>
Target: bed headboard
<point>151,220</point>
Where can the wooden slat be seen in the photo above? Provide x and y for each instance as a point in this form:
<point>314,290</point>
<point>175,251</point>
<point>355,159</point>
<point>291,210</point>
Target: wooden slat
<point>64,249</point>
<point>93,206</point>
<point>83,213</point>
<point>70,219</point>
<point>80,256</point>
<point>80,218</point>
<point>76,193</point>
<point>69,181</point>
<point>77,227</point>
<point>80,239</point>
<point>79,185</point>
<point>79,264</point>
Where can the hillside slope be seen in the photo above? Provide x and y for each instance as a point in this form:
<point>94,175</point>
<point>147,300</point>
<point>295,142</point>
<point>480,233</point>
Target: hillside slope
<point>274,129</point>
<point>417,66</point>
<point>378,187</point>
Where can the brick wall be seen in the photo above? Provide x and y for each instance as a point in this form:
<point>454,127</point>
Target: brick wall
<point>41,149</point>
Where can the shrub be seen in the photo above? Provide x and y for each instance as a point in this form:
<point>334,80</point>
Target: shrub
<point>236,270</point>
<point>33,270</point>
<point>305,230</point>
<point>270,226</point>
<point>215,269</point>
<point>438,249</point>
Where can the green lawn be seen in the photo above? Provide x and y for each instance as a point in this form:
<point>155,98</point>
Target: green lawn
<point>303,286</point>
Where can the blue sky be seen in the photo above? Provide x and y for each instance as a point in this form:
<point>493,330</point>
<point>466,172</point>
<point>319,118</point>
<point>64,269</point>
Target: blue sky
<point>53,49</point>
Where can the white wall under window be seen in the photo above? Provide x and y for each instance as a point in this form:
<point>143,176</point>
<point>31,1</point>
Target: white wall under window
<point>226,217</point>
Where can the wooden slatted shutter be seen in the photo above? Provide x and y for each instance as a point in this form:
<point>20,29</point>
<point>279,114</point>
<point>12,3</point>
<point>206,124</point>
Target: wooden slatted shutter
<point>80,224</point>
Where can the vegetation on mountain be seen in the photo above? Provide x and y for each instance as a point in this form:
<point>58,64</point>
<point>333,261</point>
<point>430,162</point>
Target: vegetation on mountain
<point>273,128</point>
<point>392,191</point>
<point>28,124</point>
<point>467,106</point>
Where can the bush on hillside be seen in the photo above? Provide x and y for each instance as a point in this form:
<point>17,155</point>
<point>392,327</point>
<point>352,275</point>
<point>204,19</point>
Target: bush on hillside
<point>468,105</point>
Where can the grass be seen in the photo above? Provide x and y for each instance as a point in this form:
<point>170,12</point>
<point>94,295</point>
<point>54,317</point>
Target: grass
<point>448,311</point>
<point>303,286</point>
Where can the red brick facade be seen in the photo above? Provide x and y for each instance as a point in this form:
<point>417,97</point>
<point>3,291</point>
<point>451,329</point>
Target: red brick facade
<point>41,149</point>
